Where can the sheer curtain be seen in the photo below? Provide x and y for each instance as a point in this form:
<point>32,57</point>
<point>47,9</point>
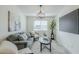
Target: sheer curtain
<point>40,25</point>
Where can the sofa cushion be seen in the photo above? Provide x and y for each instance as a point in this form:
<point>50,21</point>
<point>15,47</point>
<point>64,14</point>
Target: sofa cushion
<point>23,37</point>
<point>13,37</point>
<point>7,47</point>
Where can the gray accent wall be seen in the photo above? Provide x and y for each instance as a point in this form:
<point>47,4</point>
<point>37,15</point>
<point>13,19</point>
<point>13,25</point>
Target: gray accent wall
<point>69,22</point>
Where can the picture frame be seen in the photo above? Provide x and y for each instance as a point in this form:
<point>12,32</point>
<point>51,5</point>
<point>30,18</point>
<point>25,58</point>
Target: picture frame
<point>14,23</point>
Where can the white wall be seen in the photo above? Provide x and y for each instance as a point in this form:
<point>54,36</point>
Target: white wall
<point>4,19</point>
<point>68,40</point>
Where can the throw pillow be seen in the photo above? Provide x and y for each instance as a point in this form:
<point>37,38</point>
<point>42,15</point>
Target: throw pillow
<point>24,36</point>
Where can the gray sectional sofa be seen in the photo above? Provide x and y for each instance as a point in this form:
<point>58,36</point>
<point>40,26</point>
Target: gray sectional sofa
<point>21,40</point>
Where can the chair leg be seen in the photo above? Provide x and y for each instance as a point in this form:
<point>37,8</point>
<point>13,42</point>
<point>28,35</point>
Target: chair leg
<point>50,47</point>
<point>41,47</point>
<point>25,45</point>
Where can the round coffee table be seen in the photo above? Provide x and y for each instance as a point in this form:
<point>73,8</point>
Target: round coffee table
<point>44,42</point>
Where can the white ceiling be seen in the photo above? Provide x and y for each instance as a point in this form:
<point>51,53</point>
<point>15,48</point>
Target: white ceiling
<point>49,10</point>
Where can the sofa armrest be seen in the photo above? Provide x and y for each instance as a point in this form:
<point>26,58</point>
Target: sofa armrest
<point>7,47</point>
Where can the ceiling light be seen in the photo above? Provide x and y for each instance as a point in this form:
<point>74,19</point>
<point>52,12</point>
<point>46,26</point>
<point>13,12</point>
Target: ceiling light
<point>41,14</point>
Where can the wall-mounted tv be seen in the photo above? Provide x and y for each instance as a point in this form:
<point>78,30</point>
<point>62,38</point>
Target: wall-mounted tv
<point>70,22</point>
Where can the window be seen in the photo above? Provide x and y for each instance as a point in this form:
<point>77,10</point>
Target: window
<point>40,25</point>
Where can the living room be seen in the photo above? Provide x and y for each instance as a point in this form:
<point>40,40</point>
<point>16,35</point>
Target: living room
<point>27,22</point>
<point>37,22</point>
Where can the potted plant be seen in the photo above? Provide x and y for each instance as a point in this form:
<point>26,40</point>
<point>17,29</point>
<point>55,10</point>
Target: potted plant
<point>52,27</point>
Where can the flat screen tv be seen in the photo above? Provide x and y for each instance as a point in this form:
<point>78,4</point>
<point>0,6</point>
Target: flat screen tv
<point>70,22</point>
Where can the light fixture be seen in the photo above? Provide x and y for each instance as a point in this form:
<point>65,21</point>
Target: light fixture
<point>40,14</point>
